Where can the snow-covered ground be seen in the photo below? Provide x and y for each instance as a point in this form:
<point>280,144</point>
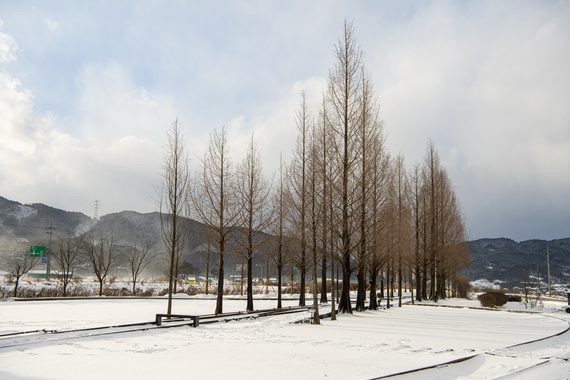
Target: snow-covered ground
<point>361,346</point>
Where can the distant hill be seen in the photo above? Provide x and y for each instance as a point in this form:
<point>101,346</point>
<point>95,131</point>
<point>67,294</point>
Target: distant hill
<point>506,260</point>
<point>492,259</point>
<point>30,224</point>
<point>24,225</point>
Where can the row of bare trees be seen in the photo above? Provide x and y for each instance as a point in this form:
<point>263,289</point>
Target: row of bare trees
<point>70,252</point>
<point>341,200</point>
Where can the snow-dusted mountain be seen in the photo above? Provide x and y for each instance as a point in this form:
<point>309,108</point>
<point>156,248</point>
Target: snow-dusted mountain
<point>506,260</point>
<point>493,259</point>
<point>30,224</point>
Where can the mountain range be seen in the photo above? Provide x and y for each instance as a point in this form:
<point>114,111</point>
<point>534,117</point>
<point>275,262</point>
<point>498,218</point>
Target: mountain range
<point>501,259</point>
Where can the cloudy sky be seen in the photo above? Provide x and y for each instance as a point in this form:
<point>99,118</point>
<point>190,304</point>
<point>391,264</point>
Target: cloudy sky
<point>88,90</point>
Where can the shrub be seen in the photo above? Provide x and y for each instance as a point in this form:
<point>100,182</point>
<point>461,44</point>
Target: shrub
<point>463,287</point>
<point>79,291</point>
<point>145,293</point>
<point>193,290</point>
<point>492,299</point>
<point>116,292</point>
<point>514,298</point>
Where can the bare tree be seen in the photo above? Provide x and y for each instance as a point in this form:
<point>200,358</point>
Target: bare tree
<point>377,257</point>
<point>321,161</point>
<point>369,141</point>
<point>402,217</point>
<point>141,255</point>
<point>443,227</point>
<point>99,253</point>
<point>253,195</point>
<point>343,98</point>
<point>314,215</point>
<point>277,228</point>
<point>418,258</point>
<point>213,200</point>
<point>17,264</point>
<point>66,256</point>
<point>172,202</point>
<point>297,190</point>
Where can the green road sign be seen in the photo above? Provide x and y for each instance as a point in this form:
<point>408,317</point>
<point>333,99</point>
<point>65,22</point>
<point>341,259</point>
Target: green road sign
<point>37,251</point>
<point>295,268</point>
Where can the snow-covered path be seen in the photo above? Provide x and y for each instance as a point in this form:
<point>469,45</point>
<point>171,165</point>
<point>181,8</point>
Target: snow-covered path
<point>362,346</point>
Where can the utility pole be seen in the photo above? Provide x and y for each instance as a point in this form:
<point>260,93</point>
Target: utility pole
<point>548,266</point>
<point>48,254</point>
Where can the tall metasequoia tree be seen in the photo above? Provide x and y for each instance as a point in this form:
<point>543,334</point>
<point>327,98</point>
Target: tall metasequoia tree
<point>321,160</point>
<point>315,214</point>
<point>431,172</point>
<point>444,231</point>
<point>277,230</point>
<point>331,177</point>
<point>173,202</point>
<point>377,257</point>
<point>297,191</point>
<point>368,140</point>
<point>402,217</point>
<point>252,197</point>
<point>390,241</point>
<point>213,200</point>
<point>343,99</point>
<point>452,235</point>
<point>417,257</point>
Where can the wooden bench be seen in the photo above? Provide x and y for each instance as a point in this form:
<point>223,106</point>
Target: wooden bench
<point>194,318</point>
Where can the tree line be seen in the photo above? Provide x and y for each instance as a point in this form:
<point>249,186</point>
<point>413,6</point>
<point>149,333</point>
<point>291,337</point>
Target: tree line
<point>99,255</point>
<point>342,200</point>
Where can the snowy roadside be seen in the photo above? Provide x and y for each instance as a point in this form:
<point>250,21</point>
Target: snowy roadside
<point>362,346</point>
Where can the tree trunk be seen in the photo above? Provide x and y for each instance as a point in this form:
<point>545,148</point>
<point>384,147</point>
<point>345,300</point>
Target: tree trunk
<point>388,283</point>
<point>249,306</point>
<point>303,284</point>
<point>400,281</point>
<point>220,295</point>
<point>324,298</point>
<point>16,287</point>
<point>279,304</point>
<point>373,303</point>
<point>344,305</point>
<point>361,290</point>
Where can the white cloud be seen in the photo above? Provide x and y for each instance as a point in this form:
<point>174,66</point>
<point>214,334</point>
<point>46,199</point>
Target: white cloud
<point>111,105</point>
<point>486,81</point>
<point>7,48</point>
<point>274,129</point>
<point>492,90</point>
<point>114,158</point>
<point>51,23</point>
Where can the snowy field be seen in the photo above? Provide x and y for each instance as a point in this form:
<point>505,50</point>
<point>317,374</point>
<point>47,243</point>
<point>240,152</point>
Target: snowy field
<point>361,346</point>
